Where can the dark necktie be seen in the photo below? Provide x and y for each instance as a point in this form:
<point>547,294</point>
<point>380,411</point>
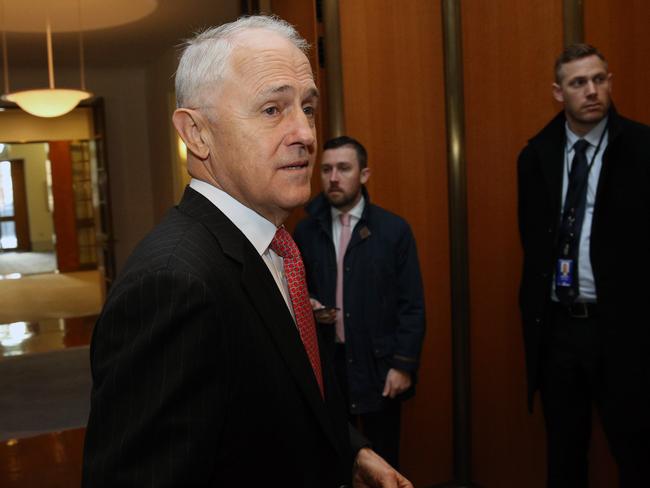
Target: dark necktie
<point>294,271</point>
<point>572,217</point>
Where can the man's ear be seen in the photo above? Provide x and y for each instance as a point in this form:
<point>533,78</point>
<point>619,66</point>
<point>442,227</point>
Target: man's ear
<point>557,93</point>
<point>365,175</point>
<point>609,81</point>
<point>189,125</point>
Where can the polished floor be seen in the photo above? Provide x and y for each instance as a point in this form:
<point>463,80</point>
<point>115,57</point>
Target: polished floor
<point>41,314</point>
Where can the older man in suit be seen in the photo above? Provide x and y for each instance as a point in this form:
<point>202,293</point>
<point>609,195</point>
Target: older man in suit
<point>584,218</point>
<point>206,366</point>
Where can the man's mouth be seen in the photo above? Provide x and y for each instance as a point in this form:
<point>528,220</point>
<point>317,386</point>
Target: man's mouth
<point>296,165</point>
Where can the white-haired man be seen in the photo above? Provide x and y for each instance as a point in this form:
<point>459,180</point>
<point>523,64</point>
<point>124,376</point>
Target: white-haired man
<point>206,366</point>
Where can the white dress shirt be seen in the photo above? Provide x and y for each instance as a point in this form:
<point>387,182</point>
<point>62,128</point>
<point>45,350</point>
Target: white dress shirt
<point>355,215</point>
<point>257,229</point>
<point>585,271</point>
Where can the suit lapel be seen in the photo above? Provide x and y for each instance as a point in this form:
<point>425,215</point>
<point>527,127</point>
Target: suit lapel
<point>267,300</point>
<point>614,130</point>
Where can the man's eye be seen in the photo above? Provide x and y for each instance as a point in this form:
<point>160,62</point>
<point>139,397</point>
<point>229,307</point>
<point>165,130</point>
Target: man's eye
<point>271,111</point>
<point>309,111</point>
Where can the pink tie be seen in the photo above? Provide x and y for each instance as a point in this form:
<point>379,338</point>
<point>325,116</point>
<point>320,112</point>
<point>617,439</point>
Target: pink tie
<point>294,270</point>
<point>346,233</point>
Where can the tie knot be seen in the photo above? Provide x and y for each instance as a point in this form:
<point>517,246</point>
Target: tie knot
<point>345,219</point>
<point>284,245</point>
<point>580,146</point>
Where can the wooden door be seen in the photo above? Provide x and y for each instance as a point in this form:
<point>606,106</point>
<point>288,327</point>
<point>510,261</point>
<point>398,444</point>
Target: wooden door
<point>14,218</point>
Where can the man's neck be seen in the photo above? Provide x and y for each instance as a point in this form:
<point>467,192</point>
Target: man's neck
<point>581,129</point>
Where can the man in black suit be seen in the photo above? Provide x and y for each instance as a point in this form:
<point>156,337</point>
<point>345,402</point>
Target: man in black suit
<point>584,219</point>
<point>206,370</point>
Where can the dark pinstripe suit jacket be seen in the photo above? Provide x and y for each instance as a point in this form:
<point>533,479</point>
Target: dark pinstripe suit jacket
<point>199,374</point>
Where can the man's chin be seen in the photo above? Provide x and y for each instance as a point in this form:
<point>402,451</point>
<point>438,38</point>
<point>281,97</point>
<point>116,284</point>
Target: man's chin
<point>335,198</point>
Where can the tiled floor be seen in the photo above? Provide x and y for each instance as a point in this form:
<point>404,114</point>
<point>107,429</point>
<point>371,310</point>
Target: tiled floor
<point>53,459</point>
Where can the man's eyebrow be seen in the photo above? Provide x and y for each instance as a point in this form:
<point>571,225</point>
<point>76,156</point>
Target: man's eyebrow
<point>313,93</point>
<point>274,90</point>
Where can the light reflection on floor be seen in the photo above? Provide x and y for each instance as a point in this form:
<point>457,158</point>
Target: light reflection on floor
<point>18,338</point>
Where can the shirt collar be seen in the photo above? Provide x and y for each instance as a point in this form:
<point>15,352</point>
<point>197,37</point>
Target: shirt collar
<point>356,211</point>
<point>257,229</point>
<point>592,137</point>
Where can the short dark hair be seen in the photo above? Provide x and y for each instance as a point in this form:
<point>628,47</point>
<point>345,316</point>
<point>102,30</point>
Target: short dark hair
<point>573,52</point>
<point>341,141</point>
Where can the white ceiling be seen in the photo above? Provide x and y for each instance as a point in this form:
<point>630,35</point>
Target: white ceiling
<point>132,44</point>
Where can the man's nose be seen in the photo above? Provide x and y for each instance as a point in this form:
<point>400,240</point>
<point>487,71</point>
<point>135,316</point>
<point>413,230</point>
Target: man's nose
<point>591,88</point>
<point>303,128</point>
<point>334,175</point>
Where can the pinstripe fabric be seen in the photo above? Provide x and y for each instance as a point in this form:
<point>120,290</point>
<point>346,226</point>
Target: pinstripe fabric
<point>199,374</point>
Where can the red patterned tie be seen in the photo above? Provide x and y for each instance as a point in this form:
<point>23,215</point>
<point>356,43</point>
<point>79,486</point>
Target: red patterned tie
<point>294,271</point>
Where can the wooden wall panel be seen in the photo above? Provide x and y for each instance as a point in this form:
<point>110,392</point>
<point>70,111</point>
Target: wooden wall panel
<point>394,104</point>
<point>64,217</point>
<point>509,50</point>
<point>620,31</point>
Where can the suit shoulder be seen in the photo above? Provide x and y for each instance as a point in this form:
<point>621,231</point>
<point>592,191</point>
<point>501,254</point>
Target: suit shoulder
<point>177,243</point>
<point>634,128</point>
<point>388,219</point>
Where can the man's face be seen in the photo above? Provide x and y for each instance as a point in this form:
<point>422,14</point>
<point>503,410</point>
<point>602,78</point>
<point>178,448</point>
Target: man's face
<point>585,90</point>
<point>342,178</point>
<point>262,133</point>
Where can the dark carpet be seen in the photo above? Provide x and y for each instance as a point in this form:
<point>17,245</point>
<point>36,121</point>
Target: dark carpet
<point>44,392</point>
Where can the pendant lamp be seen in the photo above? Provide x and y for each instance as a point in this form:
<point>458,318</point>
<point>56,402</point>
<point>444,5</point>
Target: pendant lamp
<point>52,101</point>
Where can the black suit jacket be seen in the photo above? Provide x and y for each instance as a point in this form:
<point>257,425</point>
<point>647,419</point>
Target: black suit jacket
<point>619,252</point>
<point>199,374</point>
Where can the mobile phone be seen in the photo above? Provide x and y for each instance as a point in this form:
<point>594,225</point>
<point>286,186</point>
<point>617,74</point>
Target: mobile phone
<point>326,309</point>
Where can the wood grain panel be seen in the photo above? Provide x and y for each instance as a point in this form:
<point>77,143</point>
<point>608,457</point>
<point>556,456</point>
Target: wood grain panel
<point>620,31</point>
<point>509,50</point>
<point>67,247</point>
<point>394,104</point>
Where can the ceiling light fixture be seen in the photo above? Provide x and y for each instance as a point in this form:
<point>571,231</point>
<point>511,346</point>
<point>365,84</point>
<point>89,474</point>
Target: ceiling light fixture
<point>52,101</point>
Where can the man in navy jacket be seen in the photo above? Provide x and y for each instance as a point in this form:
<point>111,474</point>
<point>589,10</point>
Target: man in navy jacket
<point>380,309</point>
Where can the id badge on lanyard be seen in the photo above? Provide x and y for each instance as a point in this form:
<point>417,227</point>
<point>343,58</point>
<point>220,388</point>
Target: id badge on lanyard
<point>565,272</point>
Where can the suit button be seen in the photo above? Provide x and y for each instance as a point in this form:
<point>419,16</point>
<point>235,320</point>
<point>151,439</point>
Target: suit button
<point>538,321</point>
<point>347,315</point>
<point>544,275</point>
<point>350,360</point>
<point>347,268</point>
<point>550,230</point>
<point>354,405</point>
